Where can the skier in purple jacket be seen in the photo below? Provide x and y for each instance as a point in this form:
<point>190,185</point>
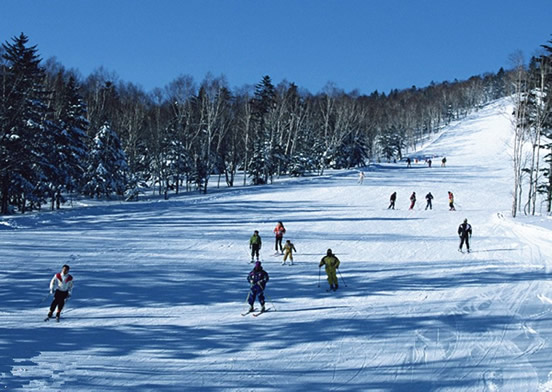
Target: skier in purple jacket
<point>257,278</point>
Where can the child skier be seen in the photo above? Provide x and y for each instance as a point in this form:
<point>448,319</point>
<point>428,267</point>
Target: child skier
<point>257,278</point>
<point>289,248</point>
<point>464,232</point>
<point>451,202</point>
<point>279,232</point>
<point>62,283</point>
<point>412,200</point>
<point>331,263</point>
<point>429,198</point>
<point>255,244</point>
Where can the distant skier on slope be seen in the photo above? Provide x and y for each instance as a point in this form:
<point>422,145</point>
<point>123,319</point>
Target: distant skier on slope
<point>444,162</point>
<point>465,233</point>
<point>361,177</point>
<point>257,279</point>
<point>331,263</point>
<point>62,283</point>
<point>255,243</point>
<point>451,201</point>
<point>408,162</point>
<point>412,200</point>
<point>392,200</point>
<point>429,198</point>
<point>289,248</point>
<point>279,232</point>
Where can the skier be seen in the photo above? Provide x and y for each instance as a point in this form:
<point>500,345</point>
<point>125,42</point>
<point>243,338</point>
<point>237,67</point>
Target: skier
<point>429,198</point>
<point>412,200</point>
<point>408,162</point>
<point>429,162</point>
<point>62,283</point>
<point>451,201</point>
<point>257,278</point>
<point>392,200</point>
<point>279,231</point>
<point>255,244</point>
<point>289,248</point>
<point>465,233</point>
<point>360,177</point>
<point>444,162</point>
<point>332,264</point>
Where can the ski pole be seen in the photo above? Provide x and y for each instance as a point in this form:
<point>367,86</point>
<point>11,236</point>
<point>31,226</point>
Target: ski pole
<point>270,300</point>
<point>67,311</point>
<point>248,294</point>
<point>340,274</point>
<point>267,297</point>
<point>318,276</point>
<point>44,299</point>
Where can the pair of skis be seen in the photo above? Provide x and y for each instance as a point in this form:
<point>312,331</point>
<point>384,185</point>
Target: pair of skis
<point>255,314</point>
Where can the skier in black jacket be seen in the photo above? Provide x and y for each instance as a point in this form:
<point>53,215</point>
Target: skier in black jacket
<point>465,233</point>
<point>429,198</point>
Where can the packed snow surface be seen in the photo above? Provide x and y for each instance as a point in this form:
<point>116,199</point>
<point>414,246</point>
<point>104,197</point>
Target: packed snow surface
<point>160,285</point>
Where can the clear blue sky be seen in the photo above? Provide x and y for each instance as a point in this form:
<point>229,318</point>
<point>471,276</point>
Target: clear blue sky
<point>356,44</point>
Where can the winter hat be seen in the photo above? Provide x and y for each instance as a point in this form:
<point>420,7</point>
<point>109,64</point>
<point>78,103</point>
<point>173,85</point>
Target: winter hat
<point>66,266</point>
<point>466,220</point>
<point>258,265</point>
<point>329,252</point>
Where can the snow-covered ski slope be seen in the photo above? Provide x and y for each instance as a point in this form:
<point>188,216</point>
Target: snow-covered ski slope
<point>160,285</point>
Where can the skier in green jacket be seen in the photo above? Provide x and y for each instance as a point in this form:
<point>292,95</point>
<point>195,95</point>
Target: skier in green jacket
<point>255,244</point>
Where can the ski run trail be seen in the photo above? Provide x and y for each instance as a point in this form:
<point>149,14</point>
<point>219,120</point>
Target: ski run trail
<point>160,286</point>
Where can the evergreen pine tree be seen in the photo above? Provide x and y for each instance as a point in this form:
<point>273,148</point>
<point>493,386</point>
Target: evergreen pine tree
<point>107,167</point>
<point>261,166</point>
<point>22,128</point>
<point>69,144</point>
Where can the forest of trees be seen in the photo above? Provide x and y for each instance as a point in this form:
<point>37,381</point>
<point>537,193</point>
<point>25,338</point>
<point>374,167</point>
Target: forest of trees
<point>532,121</point>
<point>62,135</point>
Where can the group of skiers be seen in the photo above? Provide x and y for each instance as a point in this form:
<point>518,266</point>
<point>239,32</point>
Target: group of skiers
<point>61,285</point>
<point>258,278</point>
<point>429,201</point>
<point>428,161</point>
<point>255,243</point>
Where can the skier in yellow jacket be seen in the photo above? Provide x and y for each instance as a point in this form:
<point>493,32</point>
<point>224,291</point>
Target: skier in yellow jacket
<point>289,248</point>
<point>332,264</point>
